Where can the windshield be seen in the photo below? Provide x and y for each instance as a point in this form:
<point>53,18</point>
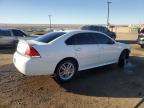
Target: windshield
<point>49,37</point>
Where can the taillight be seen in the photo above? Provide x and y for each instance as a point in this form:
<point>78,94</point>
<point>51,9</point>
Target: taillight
<point>32,52</point>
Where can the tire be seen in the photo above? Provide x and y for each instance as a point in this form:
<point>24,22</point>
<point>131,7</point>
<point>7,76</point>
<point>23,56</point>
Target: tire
<point>142,46</point>
<point>66,70</point>
<point>123,59</point>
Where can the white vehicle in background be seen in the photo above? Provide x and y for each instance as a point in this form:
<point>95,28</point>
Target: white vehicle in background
<point>66,53</point>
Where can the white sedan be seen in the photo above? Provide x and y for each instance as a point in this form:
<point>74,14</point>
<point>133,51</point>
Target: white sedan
<point>65,53</point>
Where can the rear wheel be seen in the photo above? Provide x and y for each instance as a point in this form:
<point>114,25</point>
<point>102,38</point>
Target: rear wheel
<point>65,70</point>
<point>123,59</point>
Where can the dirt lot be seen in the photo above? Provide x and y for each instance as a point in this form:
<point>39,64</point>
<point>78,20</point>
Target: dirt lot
<point>104,87</point>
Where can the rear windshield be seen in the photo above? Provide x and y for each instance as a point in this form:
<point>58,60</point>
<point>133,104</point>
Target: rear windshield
<point>49,37</point>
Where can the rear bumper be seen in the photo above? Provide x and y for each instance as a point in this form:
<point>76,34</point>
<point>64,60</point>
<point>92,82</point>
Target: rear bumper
<point>32,66</point>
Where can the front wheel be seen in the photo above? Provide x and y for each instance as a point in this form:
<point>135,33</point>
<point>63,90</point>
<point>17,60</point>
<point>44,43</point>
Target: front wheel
<point>65,70</point>
<point>123,59</point>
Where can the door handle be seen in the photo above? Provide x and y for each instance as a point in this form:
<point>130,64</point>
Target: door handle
<point>78,49</point>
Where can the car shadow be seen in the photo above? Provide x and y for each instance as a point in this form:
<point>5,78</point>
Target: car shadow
<point>105,81</point>
<point>110,81</point>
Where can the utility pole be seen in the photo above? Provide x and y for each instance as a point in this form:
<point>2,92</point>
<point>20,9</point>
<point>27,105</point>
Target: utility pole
<point>108,3</point>
<point>50,22</point>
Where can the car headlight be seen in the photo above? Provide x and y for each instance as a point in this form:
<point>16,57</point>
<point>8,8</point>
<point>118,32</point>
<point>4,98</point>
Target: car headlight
<point>142,39</point>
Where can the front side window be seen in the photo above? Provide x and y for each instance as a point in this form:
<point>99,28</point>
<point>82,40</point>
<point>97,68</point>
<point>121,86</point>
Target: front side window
<point>102,39</point>
<point>5,33</point>
<point>18,33</point>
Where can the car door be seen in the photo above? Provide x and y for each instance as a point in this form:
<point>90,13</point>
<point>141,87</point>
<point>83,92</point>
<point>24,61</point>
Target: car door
<point>108,49</point>
<point>6,37</point>
<point>86,50</point>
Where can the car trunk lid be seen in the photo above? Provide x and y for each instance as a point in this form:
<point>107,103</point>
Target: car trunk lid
<point>25,47</point>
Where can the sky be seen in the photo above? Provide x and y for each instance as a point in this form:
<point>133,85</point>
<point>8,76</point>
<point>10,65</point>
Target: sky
<point>71,11</point>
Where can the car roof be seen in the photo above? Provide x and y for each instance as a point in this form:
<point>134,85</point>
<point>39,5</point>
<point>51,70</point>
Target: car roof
<point>81,31</point>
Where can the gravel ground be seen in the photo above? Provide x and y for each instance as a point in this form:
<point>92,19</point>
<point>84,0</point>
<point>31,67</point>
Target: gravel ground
<point>104,87</point>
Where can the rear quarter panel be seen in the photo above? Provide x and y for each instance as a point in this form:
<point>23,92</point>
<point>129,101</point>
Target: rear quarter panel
<point>53,53</point>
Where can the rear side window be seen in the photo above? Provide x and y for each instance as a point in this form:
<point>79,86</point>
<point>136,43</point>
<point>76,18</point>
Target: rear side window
<point>5,33</point>
<point>19,33</point>
<point>81,39</point>
<point>71,40</point>
<point>49,37</point>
